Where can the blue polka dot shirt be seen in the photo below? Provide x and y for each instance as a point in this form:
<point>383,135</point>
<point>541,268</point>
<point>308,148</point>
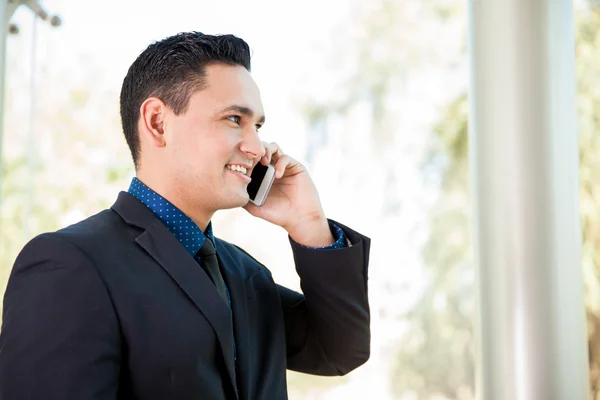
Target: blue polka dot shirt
<point>180,225</point>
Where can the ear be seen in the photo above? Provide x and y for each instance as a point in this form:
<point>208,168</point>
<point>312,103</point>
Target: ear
<point>152,121</point>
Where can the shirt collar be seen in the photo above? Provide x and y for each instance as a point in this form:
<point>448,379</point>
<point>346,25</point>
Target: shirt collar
<point>180,225</point>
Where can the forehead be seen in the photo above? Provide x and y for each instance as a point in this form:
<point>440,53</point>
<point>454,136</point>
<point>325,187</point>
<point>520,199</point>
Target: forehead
<point>228,85</point>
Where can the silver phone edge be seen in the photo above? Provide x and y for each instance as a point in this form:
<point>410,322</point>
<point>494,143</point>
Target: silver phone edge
<point>265,186</point>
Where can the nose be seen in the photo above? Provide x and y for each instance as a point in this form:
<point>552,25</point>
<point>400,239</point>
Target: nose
<point>251,145</point>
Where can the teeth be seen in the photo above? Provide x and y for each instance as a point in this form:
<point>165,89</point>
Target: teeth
<point>237,168</point>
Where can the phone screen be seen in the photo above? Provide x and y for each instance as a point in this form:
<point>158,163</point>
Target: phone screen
<point>258,174</point>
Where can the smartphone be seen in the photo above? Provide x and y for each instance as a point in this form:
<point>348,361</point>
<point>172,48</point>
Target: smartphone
<point>262,178</point>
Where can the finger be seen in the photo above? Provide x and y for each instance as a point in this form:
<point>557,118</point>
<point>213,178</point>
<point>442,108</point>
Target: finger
<point>285,162</point>
<point>275,152</point>
<point>266,159</point>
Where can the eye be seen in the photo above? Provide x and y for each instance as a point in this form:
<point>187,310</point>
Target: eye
<point>236,119</point>
<point>257,127</point>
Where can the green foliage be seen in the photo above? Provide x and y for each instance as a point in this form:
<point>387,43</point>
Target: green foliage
<point>588,86</point>
<point>437,355</point>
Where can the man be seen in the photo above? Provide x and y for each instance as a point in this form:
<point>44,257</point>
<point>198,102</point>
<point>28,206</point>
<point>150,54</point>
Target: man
<point>133,303</point>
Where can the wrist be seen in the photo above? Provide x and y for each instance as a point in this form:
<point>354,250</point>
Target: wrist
<point>312,232</point>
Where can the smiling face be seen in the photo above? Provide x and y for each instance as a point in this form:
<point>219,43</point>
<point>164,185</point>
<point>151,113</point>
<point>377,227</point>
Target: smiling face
<point>209,150</point>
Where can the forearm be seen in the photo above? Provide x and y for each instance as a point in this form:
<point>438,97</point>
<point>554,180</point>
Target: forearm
<point>335,310</point>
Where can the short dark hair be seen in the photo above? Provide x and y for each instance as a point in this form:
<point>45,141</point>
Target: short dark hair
<point>172,70</point>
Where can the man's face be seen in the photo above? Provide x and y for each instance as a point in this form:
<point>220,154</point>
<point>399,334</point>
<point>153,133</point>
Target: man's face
<point>216,138</point>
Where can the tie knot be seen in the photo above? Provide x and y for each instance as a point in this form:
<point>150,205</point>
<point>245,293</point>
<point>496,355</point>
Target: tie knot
<point>207,249</point>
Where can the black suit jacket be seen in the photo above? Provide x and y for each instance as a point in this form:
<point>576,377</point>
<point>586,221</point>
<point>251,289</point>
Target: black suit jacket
<point>115,308</point>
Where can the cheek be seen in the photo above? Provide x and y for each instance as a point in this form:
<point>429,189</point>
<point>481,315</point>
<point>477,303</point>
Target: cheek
<point>184,160</point>
<point>205,149</point>
<point>221,145</point>
<point>186,142</point>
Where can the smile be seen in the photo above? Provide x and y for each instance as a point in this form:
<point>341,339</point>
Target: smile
<point>240,171</point>
<point>239,168</point>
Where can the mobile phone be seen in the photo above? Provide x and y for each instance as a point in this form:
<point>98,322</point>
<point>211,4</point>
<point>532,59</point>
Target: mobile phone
<point>262,178</point>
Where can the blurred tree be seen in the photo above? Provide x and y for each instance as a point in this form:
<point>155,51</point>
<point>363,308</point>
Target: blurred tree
<point>588,84</point>
<point>437,355</point>
<point>396,39</point>
<point>79,159</point>
<point>373,58</point>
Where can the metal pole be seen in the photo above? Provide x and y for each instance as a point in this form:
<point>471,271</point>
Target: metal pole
<point>31,143</point>
<point>4,21</point>
<point>524,162</point>
<point>7,9</point>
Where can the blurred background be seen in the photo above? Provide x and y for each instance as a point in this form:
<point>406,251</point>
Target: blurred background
<point>370,95</point>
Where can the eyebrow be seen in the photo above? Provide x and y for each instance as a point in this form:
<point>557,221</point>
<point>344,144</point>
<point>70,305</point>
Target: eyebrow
<point>244,111</point>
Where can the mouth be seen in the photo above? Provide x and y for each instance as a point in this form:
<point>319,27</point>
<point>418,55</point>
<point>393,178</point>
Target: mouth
<point>243,171</point>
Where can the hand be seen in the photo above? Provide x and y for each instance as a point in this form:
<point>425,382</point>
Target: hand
<point>293,201</point>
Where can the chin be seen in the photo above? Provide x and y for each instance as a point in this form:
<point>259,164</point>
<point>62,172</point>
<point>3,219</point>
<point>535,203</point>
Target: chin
<point>235,201</point>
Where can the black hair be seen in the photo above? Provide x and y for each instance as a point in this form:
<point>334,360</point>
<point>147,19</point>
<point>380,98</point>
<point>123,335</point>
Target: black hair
<point>172,70</point>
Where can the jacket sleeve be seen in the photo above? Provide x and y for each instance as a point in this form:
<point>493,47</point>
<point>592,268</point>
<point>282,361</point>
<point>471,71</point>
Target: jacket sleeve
<point>328,326</point>
<point>60,335</point>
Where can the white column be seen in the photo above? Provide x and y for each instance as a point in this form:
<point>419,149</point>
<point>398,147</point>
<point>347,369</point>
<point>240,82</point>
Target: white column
<point>524,162</point>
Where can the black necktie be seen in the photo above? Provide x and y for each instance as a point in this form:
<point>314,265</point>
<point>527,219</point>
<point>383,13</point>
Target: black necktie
<point>211,266</point>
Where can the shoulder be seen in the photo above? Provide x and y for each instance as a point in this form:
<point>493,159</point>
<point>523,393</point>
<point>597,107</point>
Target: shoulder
<point>74,240</point>
<point>101,224</point>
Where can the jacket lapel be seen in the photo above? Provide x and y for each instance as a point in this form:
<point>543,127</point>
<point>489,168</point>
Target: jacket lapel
<point>166,250</point>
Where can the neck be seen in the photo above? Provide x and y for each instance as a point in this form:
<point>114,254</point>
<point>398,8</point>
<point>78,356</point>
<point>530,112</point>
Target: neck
<point>178,198</point>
